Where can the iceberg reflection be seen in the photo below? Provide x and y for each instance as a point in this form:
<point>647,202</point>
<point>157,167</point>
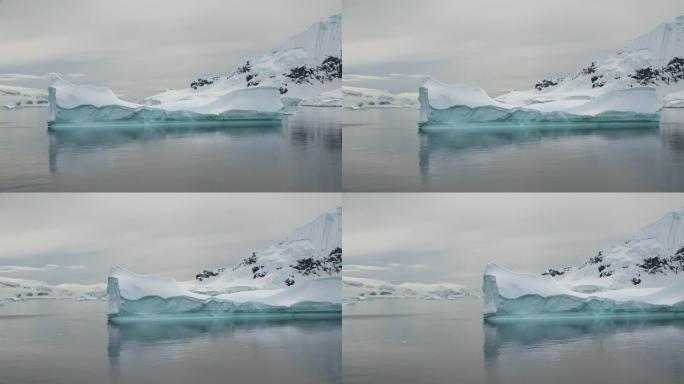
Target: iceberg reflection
<point>251,350</point>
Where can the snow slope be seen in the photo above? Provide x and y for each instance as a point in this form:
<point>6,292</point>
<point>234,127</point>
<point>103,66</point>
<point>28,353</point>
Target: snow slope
<point>644,274</point>
<point>358,288</point>
<point>307,67</point>
<point>652,65</point>
<point>299,274</point>
<point>23,289</point>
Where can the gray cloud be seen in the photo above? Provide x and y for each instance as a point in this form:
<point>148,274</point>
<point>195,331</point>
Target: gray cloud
<point>77,237</point>
<point>496,44</point>
<point>456,235</point>
<point>144,46</point>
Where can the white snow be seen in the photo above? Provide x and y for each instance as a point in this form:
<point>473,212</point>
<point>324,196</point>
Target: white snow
<point>299,71</point>
<point>360,288</point>
<point>273,277</point>
<point>646,271</point>
<point>607,85</point>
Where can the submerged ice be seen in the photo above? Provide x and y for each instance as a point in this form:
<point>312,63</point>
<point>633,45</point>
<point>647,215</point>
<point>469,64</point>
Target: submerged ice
<point>631,85</point>
<point>643,275</point>
<point>299,275</point>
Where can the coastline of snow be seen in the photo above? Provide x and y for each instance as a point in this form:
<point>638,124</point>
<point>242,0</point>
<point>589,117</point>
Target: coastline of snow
<point>13,97</point>
<point>643,275</point>
<point>361,98</point>
<point>14,289</point>
<point>358,288</point>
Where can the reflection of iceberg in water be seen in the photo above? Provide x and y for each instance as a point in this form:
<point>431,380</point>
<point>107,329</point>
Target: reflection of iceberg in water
<point>444,143</point>
<point>261,350</point>
<point>64,142</point>
<point>512,344</point>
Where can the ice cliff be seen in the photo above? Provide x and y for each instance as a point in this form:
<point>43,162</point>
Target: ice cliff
<point>644,274</point>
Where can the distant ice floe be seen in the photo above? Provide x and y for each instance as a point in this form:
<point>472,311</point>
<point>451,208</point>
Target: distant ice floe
<point>632,85</point>
<point>358,288</point>
<point>14,289</point>
<point>643,275</point>
<point>362,98</point>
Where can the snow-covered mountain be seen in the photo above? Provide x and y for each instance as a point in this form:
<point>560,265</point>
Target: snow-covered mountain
<point>299,274</point>
<point>306,70</point>
<point>23,289</point>
<point>653,258</point>
<point>312,251</point>
<point>632,84</point>
<point>644,274</point>
<point>359,288</point>
<point>360,98</point>
<point>12,97</point>
<point>655,59</point>
<point>306,65</point>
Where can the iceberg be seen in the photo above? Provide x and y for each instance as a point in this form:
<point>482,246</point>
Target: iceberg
<point>306,69</point>
<point>633,84</point>
<point>641,276</point>
<point>299,275</point>
<point>84,104</point>
<point>359,288</point>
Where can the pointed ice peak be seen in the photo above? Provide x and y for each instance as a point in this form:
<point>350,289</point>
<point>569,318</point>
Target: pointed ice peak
<point>324,232</point>
<point>665,42</point>
<point>668,231</point>
<point>320,40</point>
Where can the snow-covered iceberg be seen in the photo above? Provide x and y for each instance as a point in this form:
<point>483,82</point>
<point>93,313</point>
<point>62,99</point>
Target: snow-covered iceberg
<point>359,288</point>
<point>307,68</point>
<point>631,85</point>
<point>300,275</point>
<point>643,275</point>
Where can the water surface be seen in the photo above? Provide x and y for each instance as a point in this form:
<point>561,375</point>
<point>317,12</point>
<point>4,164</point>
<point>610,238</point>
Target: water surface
<point>413,341</point>
<point>55,341</point>
<point>384,150</point>
<point>301,153</point>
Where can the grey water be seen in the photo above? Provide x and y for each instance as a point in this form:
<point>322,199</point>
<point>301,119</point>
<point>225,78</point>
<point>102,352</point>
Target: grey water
<point>384,150</point>
<point>301,153</point>
<point>414,341</point>
<point>59,341</point>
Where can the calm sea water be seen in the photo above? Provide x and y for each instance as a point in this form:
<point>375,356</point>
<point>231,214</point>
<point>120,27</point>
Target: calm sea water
<point>71,342</point>
<point>412,341</point>
<point>383,150</point>
<point>301,153</point>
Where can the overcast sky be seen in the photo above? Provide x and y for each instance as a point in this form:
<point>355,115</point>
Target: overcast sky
<point>140,47</point>
<point>496,44</point>
<point>77,237</point>
<point>432,237</point>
